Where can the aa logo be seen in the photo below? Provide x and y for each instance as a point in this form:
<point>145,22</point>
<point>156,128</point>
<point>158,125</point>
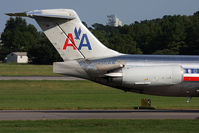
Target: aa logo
<point>84,41</point>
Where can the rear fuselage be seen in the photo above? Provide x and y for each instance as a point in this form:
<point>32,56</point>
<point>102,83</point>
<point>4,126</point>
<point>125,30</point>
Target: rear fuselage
<point>189,85</point>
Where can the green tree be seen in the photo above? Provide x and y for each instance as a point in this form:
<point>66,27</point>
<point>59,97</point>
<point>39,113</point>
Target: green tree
<point>18,36</point>
<point>22,37</point>
<point>43,52</point>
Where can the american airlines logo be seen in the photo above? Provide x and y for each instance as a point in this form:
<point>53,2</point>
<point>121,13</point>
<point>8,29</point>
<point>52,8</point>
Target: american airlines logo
<point>84,41</point>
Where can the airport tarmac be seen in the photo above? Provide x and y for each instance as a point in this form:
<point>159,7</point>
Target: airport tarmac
<point>38,78</point>
<point>97,114</point>
<point>89,114</point>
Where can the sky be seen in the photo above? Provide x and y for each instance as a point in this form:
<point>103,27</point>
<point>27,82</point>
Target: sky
<point>95,11</point>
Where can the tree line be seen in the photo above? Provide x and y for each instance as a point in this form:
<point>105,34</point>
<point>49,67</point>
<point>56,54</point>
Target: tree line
<point>173,35</point>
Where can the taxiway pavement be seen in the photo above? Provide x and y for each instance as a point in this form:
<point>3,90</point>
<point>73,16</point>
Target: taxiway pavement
<point>38,78</point>
<point>97,114</point>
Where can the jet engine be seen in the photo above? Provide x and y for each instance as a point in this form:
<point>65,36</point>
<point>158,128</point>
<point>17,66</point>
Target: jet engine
<point>152,75</point>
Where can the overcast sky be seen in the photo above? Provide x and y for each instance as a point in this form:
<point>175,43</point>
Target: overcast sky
<point>95,11</point>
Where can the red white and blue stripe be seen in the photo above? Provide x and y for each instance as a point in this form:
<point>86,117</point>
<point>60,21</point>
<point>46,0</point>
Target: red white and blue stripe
<point>191,74</point>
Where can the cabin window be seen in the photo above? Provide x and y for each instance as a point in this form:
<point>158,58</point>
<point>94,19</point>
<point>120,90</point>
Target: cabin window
<point>195,71</point>
<point>189,70</point>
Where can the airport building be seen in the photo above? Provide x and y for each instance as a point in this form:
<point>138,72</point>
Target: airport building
<point>17,57</point>
<point>113,21</point>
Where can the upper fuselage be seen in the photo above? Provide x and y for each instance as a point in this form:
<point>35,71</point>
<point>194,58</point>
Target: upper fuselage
<point>138,60</point>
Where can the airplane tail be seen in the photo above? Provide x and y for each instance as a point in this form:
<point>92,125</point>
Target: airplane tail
<point>68,35</point>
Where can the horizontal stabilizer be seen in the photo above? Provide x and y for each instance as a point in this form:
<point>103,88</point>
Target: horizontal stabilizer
<point>22,14</point>
<point>58,13</point>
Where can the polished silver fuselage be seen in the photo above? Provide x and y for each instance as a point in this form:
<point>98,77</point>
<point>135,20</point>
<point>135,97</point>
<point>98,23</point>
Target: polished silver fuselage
<point>96,68</point>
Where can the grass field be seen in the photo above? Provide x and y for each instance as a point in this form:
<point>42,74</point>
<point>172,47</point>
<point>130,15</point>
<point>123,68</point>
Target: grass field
<point>26,70</point>
<point>101,126</point>
<point>78,95</point>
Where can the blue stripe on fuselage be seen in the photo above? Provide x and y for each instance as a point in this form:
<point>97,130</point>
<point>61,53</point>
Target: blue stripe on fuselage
<point>191,70</point>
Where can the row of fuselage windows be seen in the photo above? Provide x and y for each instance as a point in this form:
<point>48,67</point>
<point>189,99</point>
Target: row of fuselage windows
<point>191,70</point>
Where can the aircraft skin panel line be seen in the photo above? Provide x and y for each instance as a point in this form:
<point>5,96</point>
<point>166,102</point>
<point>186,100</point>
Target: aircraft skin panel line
<point>72,43</point>
<point>84,56</point>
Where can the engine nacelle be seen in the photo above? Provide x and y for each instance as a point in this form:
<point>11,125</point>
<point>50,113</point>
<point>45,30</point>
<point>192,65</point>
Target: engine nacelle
<point>153,75</point>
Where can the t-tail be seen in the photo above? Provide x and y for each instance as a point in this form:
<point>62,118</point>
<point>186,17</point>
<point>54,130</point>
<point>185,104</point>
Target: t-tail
<point>68,35</point>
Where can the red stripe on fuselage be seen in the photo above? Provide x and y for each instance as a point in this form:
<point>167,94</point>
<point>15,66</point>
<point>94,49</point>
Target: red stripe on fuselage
<point>191,78</point>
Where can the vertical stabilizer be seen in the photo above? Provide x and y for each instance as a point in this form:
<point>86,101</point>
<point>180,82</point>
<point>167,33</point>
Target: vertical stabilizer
<point>68,35</point>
